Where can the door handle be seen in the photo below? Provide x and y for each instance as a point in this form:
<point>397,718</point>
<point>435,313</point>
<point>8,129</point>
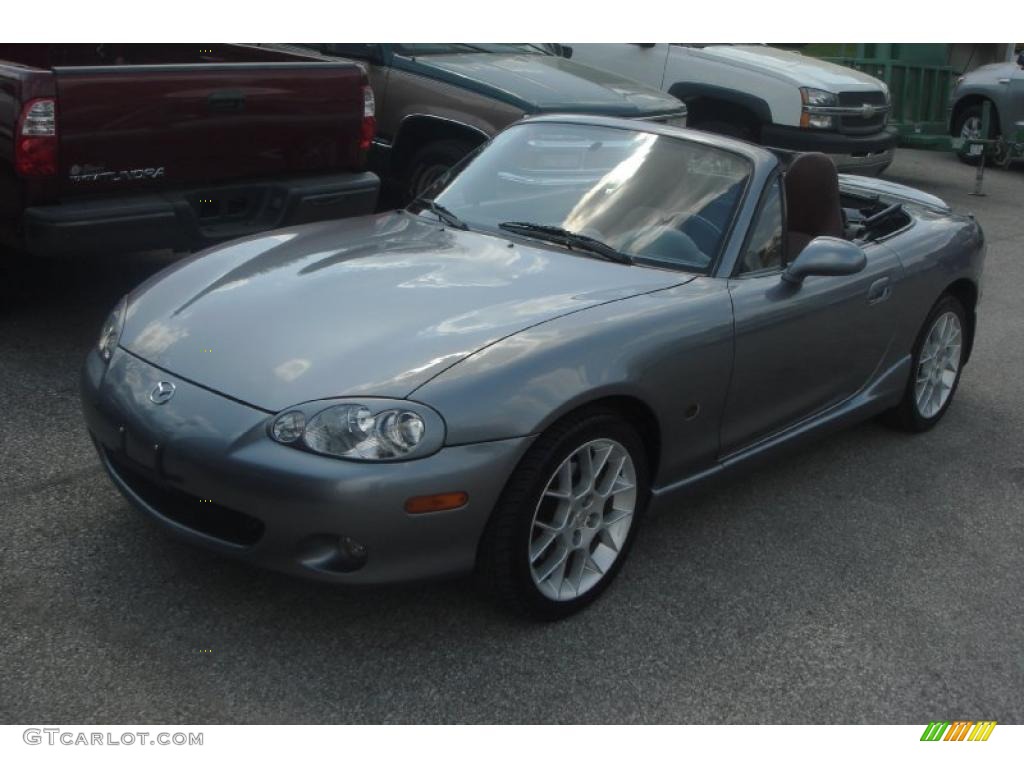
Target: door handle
<point>880,290</point>
<point>1004,81</point>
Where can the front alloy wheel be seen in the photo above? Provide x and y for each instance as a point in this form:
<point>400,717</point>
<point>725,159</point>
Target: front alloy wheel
<point>567,517</point>
<point>583,519</point>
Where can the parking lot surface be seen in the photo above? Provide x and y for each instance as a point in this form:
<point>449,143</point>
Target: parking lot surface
<point>873,577</point>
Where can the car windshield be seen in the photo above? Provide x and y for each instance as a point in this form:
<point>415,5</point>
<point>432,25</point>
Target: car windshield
<point>431,49</point>
<point>650,197</point>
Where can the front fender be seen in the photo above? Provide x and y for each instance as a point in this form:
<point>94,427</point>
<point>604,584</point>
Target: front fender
<point>670,350</point>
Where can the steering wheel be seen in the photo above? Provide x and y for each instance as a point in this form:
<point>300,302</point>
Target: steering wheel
<point>703,231</point>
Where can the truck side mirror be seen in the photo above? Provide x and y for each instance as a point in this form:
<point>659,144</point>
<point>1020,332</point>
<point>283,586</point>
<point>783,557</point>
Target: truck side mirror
<point>1020,59</point>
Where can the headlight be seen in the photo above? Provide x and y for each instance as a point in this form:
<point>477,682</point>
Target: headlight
<point>368,430</point>
<point>814,97</point>
<point>816,103</point>
<point>111,332</point>
<point>887,94</point>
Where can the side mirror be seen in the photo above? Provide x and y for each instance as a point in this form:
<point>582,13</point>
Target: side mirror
<point>1020,60</point>
<point>829,256</point>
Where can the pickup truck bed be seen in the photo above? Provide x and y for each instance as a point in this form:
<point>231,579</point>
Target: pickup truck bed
<point>129,147</point>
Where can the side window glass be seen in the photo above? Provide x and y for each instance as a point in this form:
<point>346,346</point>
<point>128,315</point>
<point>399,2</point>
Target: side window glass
<point>764,251</point>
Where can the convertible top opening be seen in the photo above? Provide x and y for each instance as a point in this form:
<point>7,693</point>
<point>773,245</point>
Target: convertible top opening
<point>816,197</point>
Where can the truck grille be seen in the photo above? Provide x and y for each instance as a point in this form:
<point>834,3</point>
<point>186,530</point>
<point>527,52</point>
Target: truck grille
<point>206,517</point>
<point>855,124</point>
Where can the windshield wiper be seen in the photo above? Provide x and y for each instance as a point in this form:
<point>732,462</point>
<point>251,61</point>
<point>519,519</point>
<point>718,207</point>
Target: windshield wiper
<point>569,239</point>
<point>443,214</point>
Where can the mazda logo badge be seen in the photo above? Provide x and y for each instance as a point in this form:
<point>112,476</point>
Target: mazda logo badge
<point>162,392</point>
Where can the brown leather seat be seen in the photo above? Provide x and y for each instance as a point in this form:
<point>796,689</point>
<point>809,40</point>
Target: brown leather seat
<point>812,202</point>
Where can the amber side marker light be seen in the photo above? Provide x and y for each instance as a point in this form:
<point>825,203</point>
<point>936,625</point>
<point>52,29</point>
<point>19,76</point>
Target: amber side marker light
<point>438,502</point>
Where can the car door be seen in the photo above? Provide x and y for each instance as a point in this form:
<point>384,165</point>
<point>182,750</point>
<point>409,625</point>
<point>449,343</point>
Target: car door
<point>799,350</point>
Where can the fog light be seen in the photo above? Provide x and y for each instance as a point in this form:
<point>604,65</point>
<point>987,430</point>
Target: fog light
<point>332,553</point>
<point>352,550</point>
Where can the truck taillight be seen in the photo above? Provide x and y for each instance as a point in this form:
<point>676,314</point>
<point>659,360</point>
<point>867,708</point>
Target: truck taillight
<point>35,141</point>
<point>369,127</point>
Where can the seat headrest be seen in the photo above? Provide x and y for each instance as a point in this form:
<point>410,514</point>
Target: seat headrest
<point>812,196</point>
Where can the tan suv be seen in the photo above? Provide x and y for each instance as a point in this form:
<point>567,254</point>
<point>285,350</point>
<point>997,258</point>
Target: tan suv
<point>436,102</point>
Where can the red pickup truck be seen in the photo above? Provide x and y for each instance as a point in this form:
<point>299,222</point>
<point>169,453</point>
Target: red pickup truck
<point>130,147</point>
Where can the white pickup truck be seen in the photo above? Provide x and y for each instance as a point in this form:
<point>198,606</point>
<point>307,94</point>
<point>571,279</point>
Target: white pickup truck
<point>766,95</point>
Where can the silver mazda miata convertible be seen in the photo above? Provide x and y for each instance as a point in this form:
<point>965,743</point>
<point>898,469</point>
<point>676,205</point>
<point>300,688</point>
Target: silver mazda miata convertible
<point>586,318</point>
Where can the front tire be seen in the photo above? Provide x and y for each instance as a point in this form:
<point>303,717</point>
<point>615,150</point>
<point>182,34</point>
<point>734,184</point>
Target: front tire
<point>968,126</point>
<point>431,162</point>
<point>937,365</point>
<point>567,517</point>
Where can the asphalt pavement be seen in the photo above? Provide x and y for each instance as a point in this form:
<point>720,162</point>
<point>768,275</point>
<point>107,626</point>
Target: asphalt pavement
<point>874,577</point>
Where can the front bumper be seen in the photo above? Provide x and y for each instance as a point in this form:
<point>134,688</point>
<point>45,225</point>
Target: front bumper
<point>867,155</point>
<point>189,219</point>
<point>202,466</point>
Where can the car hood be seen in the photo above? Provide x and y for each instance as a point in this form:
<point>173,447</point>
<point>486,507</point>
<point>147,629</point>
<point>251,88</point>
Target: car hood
<point>372,307</point>
<point>793,67</point>
<point>541,83</point>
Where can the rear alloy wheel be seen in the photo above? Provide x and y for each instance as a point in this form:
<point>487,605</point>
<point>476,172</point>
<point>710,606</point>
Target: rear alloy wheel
<point>566,519</point>
<point>937,365</point>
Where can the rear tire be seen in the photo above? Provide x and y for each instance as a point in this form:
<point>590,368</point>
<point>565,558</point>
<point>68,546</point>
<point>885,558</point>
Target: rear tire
<point>582,538</point>
<point>936,368</point>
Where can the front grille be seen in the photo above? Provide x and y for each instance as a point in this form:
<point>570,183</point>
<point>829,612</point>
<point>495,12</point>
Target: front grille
<point>206,517</point>
<point>857,123</point>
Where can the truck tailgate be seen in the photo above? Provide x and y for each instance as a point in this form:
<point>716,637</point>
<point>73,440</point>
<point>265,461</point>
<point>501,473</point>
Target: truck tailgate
<point>160,126</point>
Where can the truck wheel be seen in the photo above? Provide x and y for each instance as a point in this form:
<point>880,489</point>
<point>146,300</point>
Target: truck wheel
<point>432,161</point>
<point>968,126</point>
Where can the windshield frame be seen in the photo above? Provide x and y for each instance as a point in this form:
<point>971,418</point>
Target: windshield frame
<point>728,230</point>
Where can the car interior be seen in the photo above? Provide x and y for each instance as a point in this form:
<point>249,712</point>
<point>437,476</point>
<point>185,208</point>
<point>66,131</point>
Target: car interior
<point>816,206</point>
